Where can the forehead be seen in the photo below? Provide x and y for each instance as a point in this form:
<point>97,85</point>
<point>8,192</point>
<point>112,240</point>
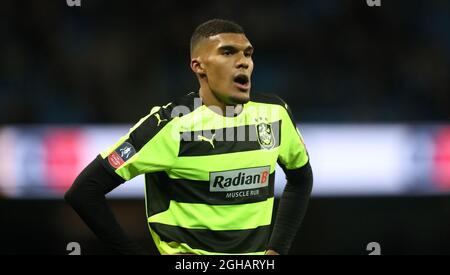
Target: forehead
<point>237,40</point>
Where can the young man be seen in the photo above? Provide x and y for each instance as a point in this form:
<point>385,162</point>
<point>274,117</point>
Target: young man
<point>209,161</point>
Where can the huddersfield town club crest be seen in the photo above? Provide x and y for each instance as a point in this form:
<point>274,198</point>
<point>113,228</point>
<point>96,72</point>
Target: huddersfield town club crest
<point>265,135</point>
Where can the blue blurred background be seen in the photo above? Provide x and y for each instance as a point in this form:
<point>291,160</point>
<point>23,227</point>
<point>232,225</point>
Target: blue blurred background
<point>347,71</point>
<point>331,60</point>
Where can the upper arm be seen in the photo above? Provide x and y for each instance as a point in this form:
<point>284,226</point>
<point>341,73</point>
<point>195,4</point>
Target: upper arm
<point>293,153</point>
<point>151,145</point>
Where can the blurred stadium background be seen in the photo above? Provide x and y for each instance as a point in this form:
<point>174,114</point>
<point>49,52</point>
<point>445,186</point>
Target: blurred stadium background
<point>369,87</point>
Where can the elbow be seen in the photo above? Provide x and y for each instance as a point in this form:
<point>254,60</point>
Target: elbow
<point>73,196</point>
<point>69,197</point>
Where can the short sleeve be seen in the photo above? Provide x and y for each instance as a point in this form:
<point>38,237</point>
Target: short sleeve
<point>151,145</point>
<point>293,153</point>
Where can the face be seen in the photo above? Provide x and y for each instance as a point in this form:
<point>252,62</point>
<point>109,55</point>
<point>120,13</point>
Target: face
<point>226,65</point>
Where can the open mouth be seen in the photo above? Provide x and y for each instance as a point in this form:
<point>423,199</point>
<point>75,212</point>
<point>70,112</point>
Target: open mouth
<point>242,81</point>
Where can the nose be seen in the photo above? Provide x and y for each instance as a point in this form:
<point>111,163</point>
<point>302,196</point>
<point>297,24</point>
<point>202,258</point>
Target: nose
<point>242,62</point>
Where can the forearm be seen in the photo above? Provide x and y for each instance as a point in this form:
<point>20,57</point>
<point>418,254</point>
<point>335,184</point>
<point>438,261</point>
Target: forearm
<point>292,208</point>
<point>87,198</point>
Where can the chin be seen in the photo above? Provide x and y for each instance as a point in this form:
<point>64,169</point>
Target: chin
<point>240,98</point>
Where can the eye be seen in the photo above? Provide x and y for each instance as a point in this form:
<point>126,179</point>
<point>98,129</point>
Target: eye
<point>227,53</point>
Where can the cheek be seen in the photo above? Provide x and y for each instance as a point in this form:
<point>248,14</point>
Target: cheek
<point>218,73</point>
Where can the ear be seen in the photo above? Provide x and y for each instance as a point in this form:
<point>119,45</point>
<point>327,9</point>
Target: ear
<point>197,67</point>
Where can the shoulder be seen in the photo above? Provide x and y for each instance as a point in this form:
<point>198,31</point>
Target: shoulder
<point>272,99</point>
<point>161,118</point>
<point>275,100</point>
<point>267,98</point>
<point>180,106</point>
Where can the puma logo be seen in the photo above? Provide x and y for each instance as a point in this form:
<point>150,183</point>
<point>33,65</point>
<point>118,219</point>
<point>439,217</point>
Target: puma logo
<point>167,105</point>
<point>159,119</point>
<point>211,140</point>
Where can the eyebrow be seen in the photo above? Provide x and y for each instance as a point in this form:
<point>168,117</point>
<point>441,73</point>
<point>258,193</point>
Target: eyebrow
<point>233,48</point>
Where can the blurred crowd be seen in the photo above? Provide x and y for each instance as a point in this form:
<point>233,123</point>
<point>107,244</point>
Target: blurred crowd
<point>332,61</point>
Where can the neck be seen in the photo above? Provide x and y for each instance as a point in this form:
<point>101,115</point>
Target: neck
<point>217,105</point>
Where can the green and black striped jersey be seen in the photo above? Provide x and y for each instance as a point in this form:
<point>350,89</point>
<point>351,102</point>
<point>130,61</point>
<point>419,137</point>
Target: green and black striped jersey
<point>209,178</point>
